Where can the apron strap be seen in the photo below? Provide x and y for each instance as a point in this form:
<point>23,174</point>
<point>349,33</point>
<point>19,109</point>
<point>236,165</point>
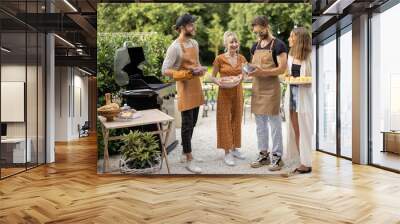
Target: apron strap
<point>272,44</point>
<point>181,44</point>
<point>270,47</point>
<point>258,44</point>
<point>184,49</point>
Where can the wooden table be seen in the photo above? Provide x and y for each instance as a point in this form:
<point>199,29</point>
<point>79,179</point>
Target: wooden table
<point>14,150</point>
<point>152,116</point>
<point>391,141</point>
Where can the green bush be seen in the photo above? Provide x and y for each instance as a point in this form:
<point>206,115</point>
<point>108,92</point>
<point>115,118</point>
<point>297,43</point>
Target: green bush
<point>154,45</point>
<point>113,146</point>
<point>140,150</point>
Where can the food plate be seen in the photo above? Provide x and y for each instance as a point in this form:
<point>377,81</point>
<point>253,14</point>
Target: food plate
<point>129,115</point>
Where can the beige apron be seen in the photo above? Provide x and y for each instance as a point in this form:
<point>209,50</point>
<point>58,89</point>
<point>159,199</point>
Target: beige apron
<point>266,93</point>
<point>190,94</point>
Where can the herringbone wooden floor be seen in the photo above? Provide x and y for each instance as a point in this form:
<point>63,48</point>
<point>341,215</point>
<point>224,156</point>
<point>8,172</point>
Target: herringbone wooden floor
<point>70,191</point>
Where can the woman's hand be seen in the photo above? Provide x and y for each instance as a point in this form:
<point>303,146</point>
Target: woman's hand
<point>216,81</point>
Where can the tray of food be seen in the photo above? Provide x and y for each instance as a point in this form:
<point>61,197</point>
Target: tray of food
<point>127,113</point>
<point>297,80</point>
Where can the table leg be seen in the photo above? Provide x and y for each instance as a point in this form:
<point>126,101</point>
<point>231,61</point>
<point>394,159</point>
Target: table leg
<point>164,142</point>
<point>106,162</point>
<point>384,142</point>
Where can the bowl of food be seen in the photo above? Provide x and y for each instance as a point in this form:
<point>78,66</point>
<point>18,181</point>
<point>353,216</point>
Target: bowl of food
<point>230,81</point>
<point>109,111</point>
<point>247,68</point>
<point>199,70</point>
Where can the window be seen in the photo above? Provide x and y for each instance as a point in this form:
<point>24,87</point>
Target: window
<point>346,92</point>
<point>327,95</point>
<point>22,77</point>
<point>385,88</point>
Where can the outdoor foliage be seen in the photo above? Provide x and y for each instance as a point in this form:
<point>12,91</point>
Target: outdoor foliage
<point>154,46</point>
<point>213,20</point>
<point>140,150</point>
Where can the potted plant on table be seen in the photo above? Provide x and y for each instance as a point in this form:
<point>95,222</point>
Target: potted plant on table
<point>140,153</point>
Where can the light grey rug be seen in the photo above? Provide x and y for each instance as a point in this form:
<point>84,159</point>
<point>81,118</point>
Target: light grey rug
<point>204,148</point>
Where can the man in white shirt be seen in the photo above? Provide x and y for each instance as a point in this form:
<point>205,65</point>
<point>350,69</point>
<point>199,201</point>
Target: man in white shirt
<point>182,64</point>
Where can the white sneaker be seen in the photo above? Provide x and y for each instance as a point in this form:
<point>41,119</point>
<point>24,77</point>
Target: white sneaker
<point>229,160</point>
<point>236,153</point>
<point>197,159</point>
<point>191,167</point>
<point>183,158</point>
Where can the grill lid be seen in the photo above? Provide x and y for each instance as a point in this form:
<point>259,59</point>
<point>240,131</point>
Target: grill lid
<point>128,63</point>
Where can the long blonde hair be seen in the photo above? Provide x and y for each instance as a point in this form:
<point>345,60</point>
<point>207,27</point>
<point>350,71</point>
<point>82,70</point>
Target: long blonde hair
<point>301,48</point>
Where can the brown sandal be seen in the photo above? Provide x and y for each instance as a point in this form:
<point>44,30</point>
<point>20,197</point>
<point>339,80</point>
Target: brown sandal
<point>308,170</point>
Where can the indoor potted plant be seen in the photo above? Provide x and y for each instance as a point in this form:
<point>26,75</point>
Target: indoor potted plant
<point>140,153</point>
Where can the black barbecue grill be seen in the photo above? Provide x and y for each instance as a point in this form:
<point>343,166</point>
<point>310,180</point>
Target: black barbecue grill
<point>146,91</point>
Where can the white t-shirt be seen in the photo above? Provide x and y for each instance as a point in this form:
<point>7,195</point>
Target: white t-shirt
<point>173,57</point>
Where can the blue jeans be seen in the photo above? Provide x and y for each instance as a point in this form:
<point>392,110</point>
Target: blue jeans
<point>274,123</point>
<point>294,98</point>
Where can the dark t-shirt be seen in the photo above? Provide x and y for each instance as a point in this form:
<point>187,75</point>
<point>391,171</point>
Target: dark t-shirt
<point>296,70</point>
<point>278,48</point>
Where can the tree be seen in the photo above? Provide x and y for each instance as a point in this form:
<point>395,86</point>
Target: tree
<point>215,34</point>
<point>282,18</point>
<point>212,19</point>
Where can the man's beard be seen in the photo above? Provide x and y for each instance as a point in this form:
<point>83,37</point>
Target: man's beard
<point>263,36</point>
<point>189,34</point>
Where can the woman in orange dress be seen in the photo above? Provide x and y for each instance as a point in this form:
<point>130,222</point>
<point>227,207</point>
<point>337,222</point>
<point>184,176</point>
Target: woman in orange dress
<point>230,100</point>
